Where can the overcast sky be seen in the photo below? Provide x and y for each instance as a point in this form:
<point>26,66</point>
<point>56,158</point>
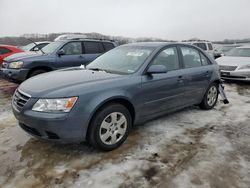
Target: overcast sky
<point>168,19</point>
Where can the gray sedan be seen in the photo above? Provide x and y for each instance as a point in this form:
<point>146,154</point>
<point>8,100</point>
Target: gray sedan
<point>127,85</point>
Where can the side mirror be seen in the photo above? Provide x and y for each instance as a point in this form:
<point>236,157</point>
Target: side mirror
<point>61,52</point>
<point>156,69</point>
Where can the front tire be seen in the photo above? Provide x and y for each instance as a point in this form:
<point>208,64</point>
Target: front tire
<point>210,98</point>
<point>109,127</point>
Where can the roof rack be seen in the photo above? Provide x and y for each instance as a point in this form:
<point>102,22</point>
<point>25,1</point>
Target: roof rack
<point>87,38</point>
<point>79,37</point>
<point>198,40</point>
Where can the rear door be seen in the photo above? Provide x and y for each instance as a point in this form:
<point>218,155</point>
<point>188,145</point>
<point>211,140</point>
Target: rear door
<point>197,74</point>
<point>92,50</point>
<point>73,55</point>
<point>163,92</point>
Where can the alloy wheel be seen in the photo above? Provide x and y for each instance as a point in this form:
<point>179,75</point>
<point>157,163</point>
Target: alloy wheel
<point>113,128</point>
<point>212,95</point>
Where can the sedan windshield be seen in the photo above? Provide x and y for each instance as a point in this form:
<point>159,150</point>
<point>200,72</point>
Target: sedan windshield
<point>50,48</point>
<point>239,52</point>
<point>123,60</point>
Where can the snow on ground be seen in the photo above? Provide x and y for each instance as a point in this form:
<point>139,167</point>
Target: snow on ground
<point>189,148</point>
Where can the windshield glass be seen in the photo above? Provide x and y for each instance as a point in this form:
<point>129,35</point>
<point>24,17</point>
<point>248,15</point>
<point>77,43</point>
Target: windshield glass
<point>28,47</point>
<point>239,52</point>
<point>50,48</point>
<point>122,60</point>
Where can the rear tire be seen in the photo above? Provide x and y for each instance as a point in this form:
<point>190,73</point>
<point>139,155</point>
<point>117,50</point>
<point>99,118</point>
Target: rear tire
<point>36,72</point>
<point>210,98</point>
<point>109,127</point>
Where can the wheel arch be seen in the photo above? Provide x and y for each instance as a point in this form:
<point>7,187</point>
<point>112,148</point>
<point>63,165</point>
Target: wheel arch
<point>118,100</point>
<point>46,68</point>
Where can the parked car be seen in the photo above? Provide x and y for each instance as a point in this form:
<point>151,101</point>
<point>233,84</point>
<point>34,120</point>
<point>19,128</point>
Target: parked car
<point>205,45</point>
<point>236,64</point>
<point>125,86</point>
<point>35,46</point>
<point>222,50</point>
<point>7,50</point>
<point>56,55</point>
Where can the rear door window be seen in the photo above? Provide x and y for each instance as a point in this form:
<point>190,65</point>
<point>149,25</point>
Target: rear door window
<point>93,47</point>
<point>204,60</point>
<point>108,46</point>
<point>191,57</point>
<point>4,50</point>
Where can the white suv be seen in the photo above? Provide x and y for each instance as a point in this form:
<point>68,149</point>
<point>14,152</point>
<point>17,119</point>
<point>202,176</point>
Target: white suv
<point>205,45</point>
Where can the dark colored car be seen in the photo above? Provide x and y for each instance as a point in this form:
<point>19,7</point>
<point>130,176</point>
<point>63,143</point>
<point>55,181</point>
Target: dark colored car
<point>125,86</point>
<point>7,50</point>
<point>56,55</point>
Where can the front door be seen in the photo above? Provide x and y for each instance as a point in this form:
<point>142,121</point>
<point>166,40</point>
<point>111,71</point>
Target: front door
<point>73,55</point>
<point>163,92</point>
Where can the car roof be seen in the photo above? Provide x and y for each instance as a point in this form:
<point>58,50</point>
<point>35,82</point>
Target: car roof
<point>90,40</point>
<point>155,44</point>
<point>149,44</point>
<point>7,46</point>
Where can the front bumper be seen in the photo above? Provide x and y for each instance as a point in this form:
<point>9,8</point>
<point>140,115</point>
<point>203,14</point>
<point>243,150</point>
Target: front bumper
<point>14,74</point>
<point>59,127</point>
<point>239,75</point>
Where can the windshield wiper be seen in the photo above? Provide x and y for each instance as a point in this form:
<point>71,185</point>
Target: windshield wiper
<point>97,69</point>
<point>36,45</point>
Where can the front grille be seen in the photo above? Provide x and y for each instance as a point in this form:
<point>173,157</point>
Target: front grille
<point>227,68</point>
<point>20,99</point>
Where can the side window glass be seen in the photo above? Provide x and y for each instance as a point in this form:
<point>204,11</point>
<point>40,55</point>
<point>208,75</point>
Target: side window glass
<point>168,58</point>
<point>191,57</point>
<point>108,46</point>
<point>204,60</point>
<point>4,50</point>
<point>93,47</point>
<point>73,48</point>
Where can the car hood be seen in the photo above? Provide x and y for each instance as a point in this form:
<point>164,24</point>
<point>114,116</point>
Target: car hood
<point>233,61</point>
<point>67,82</point>
<point>22,56</point>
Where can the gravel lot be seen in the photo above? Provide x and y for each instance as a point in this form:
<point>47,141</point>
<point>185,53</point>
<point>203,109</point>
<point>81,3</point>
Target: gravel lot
<point>190,148</point>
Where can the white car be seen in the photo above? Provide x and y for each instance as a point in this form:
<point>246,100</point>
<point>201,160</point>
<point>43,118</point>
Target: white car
<point>236,64</point>
<point>204,45</point>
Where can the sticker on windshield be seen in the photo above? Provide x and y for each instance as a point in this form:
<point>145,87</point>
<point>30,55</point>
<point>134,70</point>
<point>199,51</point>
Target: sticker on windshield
<point>135,54</point>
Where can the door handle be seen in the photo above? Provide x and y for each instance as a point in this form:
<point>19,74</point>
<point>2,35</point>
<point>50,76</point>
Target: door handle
<point>207,74</point>
<point>180,79</point>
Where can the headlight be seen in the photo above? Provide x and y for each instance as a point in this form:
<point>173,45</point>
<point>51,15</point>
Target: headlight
<point>244,67</point>
<point>16,65</point>
<point>54,105</point>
